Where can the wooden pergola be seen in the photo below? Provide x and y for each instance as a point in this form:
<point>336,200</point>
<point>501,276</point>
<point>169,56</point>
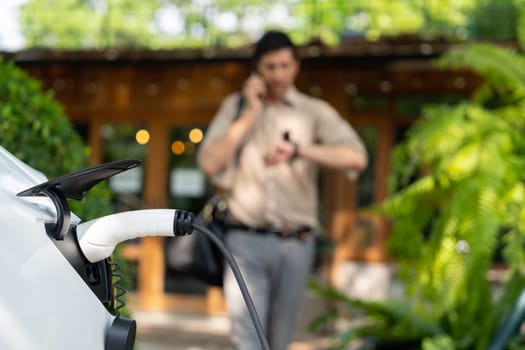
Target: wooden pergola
<point>367,82</point>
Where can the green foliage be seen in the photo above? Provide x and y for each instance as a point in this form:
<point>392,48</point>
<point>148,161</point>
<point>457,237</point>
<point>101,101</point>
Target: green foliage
<point>35,129</point>
<point>471,159</point>
<point>73,24</point>
<point>457,195</point>
<point>502,68</point>
<point>390,320</point>
<point>442,342</point>
<point>482,26</point>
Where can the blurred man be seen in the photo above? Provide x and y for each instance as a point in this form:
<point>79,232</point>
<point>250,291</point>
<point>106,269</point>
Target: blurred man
<point>265,146</point>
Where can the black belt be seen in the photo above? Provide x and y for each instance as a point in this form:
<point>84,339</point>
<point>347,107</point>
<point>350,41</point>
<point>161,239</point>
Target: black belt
<point>301,233</point>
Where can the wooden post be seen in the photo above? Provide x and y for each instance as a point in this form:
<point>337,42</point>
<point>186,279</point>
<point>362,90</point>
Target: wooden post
<point>151,260</point>
<point>215,303</point>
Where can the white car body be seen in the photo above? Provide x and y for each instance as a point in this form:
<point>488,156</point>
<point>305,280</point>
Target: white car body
<point>44,303</point>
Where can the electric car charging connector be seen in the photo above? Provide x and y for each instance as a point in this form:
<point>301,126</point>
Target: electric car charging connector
<point>98,238</point>
<point>89,245</point>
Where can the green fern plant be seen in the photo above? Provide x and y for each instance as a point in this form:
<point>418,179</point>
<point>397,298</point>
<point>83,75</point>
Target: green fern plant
<point>457,195</point>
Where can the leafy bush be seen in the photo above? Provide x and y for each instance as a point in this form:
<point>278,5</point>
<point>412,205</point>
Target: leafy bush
<point>35,129</point>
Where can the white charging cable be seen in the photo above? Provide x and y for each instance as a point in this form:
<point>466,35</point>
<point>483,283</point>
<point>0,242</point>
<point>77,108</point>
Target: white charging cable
<point>98,238</point>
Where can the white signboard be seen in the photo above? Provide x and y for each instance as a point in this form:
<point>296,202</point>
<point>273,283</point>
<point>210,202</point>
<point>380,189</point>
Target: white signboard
<point>189,182</point>
<point>129,181</point>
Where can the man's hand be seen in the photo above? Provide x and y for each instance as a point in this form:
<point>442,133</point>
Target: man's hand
<point>254,92</point>
<point>281,151</point>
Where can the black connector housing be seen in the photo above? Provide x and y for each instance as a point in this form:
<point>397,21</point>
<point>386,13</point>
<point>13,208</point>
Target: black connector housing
<point>183,223</point>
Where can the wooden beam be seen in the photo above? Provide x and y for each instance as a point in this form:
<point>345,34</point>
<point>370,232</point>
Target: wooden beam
<point>195,115</point>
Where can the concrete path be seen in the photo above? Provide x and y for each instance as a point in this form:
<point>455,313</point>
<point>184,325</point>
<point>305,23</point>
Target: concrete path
<point>163,331</point>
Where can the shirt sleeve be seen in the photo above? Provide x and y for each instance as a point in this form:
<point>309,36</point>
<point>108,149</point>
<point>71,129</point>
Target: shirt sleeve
<point>332,129</point>
<point>217,128</point>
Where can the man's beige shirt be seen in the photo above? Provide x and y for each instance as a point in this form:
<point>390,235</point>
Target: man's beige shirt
<point>284,195</point>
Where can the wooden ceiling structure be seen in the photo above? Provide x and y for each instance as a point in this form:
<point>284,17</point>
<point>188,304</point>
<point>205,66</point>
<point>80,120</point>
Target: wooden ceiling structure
<point>185,86</point>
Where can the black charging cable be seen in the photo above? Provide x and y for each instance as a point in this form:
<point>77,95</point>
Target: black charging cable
<point>242,285</point>
<point>184,224</point>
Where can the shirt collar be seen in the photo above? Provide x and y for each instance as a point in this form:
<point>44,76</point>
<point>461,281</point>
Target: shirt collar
<point>292,96</point>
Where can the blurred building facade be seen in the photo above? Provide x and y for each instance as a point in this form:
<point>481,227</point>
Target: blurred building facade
<point>144,104</point>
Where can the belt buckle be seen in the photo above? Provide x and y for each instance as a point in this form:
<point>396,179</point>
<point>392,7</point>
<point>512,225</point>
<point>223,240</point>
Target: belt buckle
<point>277,231</point>
<point>302,235</point>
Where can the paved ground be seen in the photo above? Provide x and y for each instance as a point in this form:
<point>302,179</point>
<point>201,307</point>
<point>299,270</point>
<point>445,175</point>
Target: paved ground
<point>163,331</point>
<point>160,331</point>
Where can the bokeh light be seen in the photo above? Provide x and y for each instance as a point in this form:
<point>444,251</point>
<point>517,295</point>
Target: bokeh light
<point>196,135</point>
<point>142,136</point>
<point>177,148</point>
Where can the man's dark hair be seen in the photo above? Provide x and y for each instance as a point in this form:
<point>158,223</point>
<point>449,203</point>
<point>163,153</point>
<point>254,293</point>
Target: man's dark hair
<point>271,41</point>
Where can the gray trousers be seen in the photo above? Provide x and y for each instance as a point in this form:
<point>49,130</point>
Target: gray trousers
<point>275,271</point>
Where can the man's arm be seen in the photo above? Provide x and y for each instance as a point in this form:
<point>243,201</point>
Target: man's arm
<point>217,154</point>
<point>333,156</point>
